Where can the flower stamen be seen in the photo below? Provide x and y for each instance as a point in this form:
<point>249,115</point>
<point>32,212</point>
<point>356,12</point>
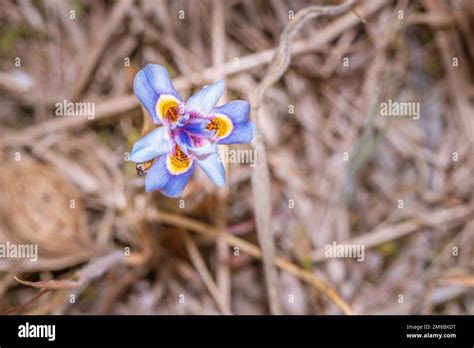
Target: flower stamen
<point>222,125</point>
<point>168,108</point>
<point>178,162</point>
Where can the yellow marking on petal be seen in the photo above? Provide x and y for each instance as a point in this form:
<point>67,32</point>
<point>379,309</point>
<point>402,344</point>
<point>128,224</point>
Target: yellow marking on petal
<point>177,162</point>
<point>167,107</point>
<point>222,125</point>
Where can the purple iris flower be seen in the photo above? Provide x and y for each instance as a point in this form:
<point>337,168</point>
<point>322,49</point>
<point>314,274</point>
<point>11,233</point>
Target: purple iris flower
<point>188,132</point>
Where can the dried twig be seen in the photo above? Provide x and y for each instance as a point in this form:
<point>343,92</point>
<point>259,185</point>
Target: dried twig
<point>116,18</point>
<point>260,175</point>
<point>253,250</point>
<point>386,234</point>
<point>26,304</point>
<point>218,57</point>
<point>201,267</point>
<point>88,273</point>
<point>461,280</point>
<point>124,103</point>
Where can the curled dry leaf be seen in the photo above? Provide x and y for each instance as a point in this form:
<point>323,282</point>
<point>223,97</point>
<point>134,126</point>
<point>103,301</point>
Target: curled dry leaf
<point>40,207</point>
<point>53,284</point>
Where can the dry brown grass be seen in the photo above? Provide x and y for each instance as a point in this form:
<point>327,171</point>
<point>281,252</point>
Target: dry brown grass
<point>175,250</point>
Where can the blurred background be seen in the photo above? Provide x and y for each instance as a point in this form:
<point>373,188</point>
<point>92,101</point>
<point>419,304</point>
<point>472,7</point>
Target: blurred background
<point>341,172</point>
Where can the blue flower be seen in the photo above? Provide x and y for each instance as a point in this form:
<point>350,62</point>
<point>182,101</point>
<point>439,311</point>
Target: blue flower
<point>187,132</point>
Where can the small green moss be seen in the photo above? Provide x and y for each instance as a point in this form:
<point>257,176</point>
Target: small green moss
<point>388,249</point>
<point>10,34</point>
<point>76,6</point>
<point>89,294</point>
<point>8,37</point>
<point>132,137</point>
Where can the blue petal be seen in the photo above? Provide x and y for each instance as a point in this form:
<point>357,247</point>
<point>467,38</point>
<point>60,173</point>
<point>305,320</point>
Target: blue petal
<point>197,127</point>
<point>159,178</point>
<point>204,151</point>
<point>237,110</point>
<point>160,80</point>
<point>182,120</point>
<point>208,159</point>
<point>152,145</point>
<point>149,84</point>
<point>242,133</point>
<point>158,175</point>
<point>205,100</point>
<point>183,140</point>
<point>175,186</point>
